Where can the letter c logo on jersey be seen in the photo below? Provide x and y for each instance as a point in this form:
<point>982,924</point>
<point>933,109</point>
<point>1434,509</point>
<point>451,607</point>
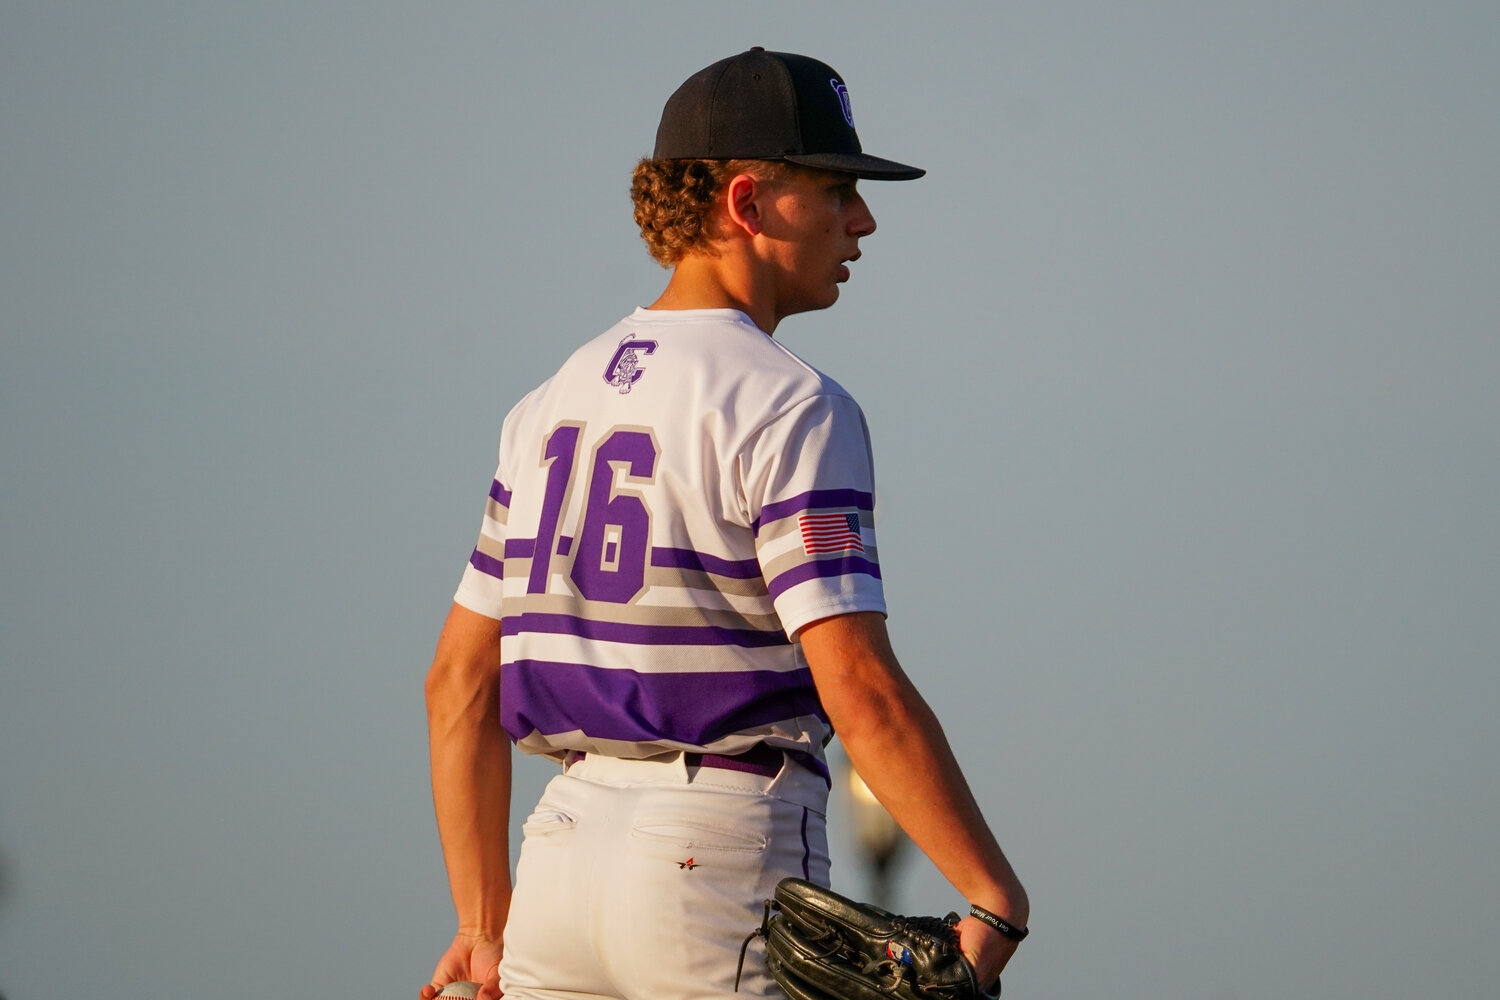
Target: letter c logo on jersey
<point>624,368</point>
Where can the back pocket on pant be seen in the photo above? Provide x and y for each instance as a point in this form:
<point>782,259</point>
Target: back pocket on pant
<point>545,822</point>
<point>683,834</point>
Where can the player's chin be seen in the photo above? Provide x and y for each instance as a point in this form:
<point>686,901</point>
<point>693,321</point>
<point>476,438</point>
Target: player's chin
<point>826,300</point>
<point>811,301</point>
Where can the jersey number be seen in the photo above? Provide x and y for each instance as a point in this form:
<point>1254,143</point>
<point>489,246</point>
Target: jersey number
<point>614,540</point>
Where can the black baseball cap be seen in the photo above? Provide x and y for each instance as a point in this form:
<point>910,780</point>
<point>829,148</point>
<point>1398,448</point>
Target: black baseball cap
<point>763,105</point>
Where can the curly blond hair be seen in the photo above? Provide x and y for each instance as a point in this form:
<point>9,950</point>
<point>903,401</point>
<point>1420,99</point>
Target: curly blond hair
<point>674,201</point>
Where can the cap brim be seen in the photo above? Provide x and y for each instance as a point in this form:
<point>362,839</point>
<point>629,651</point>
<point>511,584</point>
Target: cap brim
<point>863,165</point>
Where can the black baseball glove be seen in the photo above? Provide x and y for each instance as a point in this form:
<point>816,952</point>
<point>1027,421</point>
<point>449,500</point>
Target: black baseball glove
<point>821,946</point>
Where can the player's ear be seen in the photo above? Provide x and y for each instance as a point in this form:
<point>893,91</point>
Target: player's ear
<point>742,202</point>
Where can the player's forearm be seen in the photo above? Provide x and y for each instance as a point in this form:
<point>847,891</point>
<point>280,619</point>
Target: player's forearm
<point>902,754</point>
<point>471,796</point>
<point>471,771</point>
<point>896,743</point>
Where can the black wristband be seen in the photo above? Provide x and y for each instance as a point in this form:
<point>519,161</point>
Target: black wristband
<point>1005,927</point>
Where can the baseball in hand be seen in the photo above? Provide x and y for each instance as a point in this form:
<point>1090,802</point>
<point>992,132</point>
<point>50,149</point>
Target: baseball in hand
<point>460,988</point>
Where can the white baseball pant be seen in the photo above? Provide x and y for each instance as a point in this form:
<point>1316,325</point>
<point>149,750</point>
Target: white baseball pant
<point>638,880</point>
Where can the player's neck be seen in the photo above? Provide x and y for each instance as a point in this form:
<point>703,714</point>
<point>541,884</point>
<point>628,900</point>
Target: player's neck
<point>723,282</point>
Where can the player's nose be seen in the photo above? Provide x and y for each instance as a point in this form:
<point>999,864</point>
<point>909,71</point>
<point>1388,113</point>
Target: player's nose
<point>861,220</point>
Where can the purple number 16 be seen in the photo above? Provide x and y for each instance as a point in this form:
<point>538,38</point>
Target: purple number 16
<point>614,540</point>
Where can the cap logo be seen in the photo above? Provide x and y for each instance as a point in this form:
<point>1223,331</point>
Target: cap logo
<point>843,92</point>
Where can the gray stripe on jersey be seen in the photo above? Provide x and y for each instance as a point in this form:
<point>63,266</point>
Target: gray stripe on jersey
<point>492,547</point>
<point>692,579</point>
<point>647,659</point>
<point>797,557</point>
<point>643,614</point>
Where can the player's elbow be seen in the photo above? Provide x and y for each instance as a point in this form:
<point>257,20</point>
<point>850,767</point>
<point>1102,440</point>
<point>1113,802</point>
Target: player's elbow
<point>859,680</point>
<point>460,691</point>
<point>465,672</point>
<point>863,709</point>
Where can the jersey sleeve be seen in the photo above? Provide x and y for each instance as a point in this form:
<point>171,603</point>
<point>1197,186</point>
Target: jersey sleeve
<point>480,588</point>
<point>810,491</point>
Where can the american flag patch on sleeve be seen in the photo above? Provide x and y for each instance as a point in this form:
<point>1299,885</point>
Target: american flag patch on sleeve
<point>830,533</point>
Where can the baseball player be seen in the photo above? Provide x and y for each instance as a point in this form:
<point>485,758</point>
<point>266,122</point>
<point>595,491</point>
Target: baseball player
<point>676,594</point>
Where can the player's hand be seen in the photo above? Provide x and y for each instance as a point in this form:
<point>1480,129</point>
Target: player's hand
<point>986,949</point>
<point>489,986</point>
<point>476,959</point>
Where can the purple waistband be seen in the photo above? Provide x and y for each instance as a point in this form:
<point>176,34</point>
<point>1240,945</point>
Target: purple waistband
<point>761,759</point>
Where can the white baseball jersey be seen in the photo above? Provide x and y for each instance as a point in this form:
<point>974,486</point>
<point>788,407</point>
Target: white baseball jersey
<point>669,509</point>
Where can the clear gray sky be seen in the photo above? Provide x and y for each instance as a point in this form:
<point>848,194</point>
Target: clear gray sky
<point>1180,366</point>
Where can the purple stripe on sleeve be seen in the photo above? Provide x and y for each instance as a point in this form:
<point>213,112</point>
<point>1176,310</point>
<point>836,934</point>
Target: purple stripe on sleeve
<point>810,500</point>
<point>499,494</point>
<point>738,569</point>
<point>549,697</point>
<point>520,548</point>
<point>820,568</point>
<point>645,635</point>
<point>488,565</point>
